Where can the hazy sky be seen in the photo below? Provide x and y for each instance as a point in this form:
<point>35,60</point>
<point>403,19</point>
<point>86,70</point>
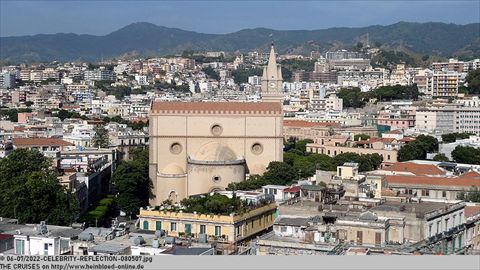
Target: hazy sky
<point>103,17</point>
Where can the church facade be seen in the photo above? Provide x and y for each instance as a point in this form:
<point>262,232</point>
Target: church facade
<point>200,147</point>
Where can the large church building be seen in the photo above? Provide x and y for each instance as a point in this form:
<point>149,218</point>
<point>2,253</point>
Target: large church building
<point>200,147</point>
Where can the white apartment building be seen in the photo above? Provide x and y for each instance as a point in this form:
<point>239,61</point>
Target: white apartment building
<point>462,116</point>
<point>443,84</point>
<point>141,79</point>
<point>255,80</point>
<point>332,102</point>
<point>434,119</point>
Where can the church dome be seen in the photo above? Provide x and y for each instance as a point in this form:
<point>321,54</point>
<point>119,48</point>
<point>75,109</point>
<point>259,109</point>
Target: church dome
<point>215,151</point>
<point>173,168</point>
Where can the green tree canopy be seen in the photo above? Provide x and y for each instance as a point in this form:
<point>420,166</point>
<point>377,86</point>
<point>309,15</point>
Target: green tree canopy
<point>441,158</point>
<point>241,75</point>
<point>132,182</point>
<point>466,154</point>
<point>473,81</point>
<point>362,137</point>
<point>352,97</point>
<point>472,195</point>
<point>31,191</point>
<point>211,73</point>
<point>418,149</point>
<point>452,137</point>
<point>101,138</point>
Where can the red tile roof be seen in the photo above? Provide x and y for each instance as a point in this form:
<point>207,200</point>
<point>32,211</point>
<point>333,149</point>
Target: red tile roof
<point>470,174</point>
<point>432,181</point>
<point>5,236</point>
<point>40,142</point>
<point>292,189</point>
<point>472,210</point>
<point>214,107</point>
<point>407,139</point>
<point>417,169</point>
<point>302,123</point>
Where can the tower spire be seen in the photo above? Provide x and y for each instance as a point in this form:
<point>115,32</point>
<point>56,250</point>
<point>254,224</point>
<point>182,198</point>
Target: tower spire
<point>272,89</point>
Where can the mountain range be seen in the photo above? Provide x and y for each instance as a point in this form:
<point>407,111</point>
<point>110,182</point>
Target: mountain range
<point>146,39</point>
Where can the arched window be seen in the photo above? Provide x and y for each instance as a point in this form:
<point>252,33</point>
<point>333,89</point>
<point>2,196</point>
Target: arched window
<point>173,196</point>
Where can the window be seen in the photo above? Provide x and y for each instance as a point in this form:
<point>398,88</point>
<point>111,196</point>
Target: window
<point>275,191</point>
<point>188,229</point>
<point>45,249</point>
<point>283,229</point>
<point>158,225</point>
<point>388,157</point>
<point>446,224</point>
<point>425,193</point>
<point>237,231</point>
<point>438,226</point>
<point>145,225</point>
<point>444,194</point>
<point>359,237</point>
<point>19,247</point>
<point>203,228</point>
<point>430,229</point>
<point>218,230</point>
<point>378,238</point>
<point>173,226</point>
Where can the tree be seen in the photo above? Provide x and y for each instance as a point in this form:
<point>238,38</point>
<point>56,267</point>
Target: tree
<point>440,157</point>
<point>64,114</point>
<point>279,173</point>
<point>410,152</point>
<point>133,183</point>
<point>466,154</point>
<point>211,73</point>
<point>362,137</point>
<point>31,191</point>
<point>359,46</point>
<point>101,138</point>
<point>473,81</point>
<point>452,137</point>
<point>12,114</point>
<point>241,75</point>
<point>473,195</point>
<point>427,143</point>
<point>352,97</point>
<point>301,145</point>
<point>418,149</point>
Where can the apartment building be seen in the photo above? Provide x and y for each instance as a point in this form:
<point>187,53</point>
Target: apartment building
<point>434,187</point>
<point>339,144</point>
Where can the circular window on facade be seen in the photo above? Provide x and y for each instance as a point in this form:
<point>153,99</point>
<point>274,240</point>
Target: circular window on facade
<point>216,178</point>
<point>176,148</point>
<point>216,130</point>
<point>257,148</point>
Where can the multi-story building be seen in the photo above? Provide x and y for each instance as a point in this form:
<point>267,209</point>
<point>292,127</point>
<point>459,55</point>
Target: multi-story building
<point>7,80</point>
<point>398,115</point>
<point>461,116</point>
<point>435,119</point>
<point>100,74</point>
<point>434,187</point>
<point>224,229</point>
<point>443,84</point>
<point>332,102</point>
<point>335,145</point>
